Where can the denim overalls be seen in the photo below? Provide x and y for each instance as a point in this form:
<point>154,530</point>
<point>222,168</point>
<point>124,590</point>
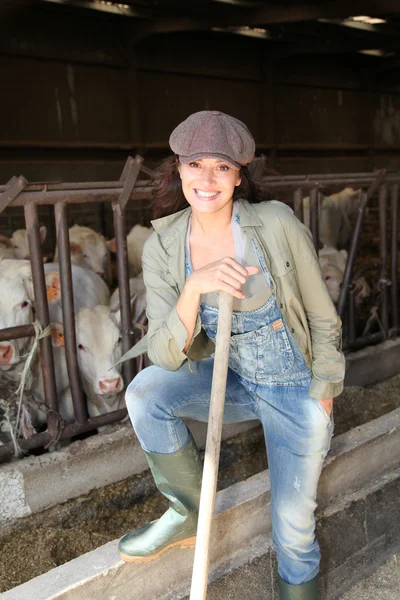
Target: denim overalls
<point>267,380</point>
<point>262,351</point>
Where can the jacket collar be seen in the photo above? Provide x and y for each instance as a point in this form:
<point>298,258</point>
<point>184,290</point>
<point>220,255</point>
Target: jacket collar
<point>173,226</point>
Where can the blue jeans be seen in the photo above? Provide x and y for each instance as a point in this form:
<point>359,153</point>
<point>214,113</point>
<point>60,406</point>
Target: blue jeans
<point>297,431</point>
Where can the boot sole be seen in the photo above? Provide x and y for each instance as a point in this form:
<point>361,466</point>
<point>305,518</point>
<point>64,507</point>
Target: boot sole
<point>185,543</point>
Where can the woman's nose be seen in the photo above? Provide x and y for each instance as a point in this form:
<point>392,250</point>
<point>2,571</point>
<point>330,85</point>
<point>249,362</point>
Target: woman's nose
<point>208,175</point>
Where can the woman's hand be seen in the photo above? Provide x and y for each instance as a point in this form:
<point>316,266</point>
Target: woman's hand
<point>225,275</point>
<point>327,404</point>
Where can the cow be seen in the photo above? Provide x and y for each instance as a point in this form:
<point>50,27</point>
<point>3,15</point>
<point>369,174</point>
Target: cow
<point>17,308</point>
<point>89,249</point>
<point>6,250</point>
<point>333,264</point>
<point>135,242</point>
<point>335,214</point>
<point>98,348</point>
<point>137,297</point>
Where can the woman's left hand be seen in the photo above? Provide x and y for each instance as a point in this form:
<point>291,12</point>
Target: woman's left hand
<point>327,404</point>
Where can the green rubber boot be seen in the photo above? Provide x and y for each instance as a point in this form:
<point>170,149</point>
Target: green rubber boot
<point>178,477</point>
<point>305,591</point>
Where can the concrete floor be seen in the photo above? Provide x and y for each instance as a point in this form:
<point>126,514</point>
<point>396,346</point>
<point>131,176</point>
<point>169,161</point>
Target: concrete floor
<point>384,584</point>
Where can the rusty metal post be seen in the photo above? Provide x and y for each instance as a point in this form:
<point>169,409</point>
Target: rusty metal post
<point>298,204</point>
<point>352,317</point>
<point>365,197</point>
<point>129,175</point>
<point>78,399</point>
<point>383,257</point>
<point>124,292</point>
<point>42,313</point>
<point>314,216</point>
<point>395,249</point>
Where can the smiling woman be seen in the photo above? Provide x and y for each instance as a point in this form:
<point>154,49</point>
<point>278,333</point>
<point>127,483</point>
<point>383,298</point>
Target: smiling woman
<point>285,365</point>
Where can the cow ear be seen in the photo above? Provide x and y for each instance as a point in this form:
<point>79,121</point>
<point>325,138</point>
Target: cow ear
<point>116,316</point>
<point>42,233</point>
<point>75,248</point>
<point>57,335</point>
<point>344,254</point>
<point>355,193</point>
<point>5,241</point>
<point>53,287</point>
<point>111,245</point>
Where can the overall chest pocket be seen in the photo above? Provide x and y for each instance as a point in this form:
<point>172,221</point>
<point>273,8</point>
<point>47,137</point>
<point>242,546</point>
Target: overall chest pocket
<point>261,353</point>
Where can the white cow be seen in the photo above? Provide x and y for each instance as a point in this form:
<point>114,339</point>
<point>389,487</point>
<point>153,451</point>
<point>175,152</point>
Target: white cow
<point>333,264</point>
<point>89,249</point>
<point>18,246</point>
<point>135,242</point>
<point>138,300</point>
<point>89,289</point>
<point>17,308</point>
<point>6,250</point>
<point>99,348</point>
<point>335,213</point>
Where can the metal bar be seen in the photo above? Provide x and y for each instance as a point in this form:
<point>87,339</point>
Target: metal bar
<point>43,439</point>
<point>79,185</point>
<point>369,340</point>
<point>14,333</point>
<point>130,175</point>
<point>365,197</point>
<point>298,204</point>
<point>78,399</point>
<point>80,196</point>
<point>42,312</point>
<point>12,192</point>
<point>352,317</point>
<point>383,257</point>
<point>394,261</point>
<point>314,217</point>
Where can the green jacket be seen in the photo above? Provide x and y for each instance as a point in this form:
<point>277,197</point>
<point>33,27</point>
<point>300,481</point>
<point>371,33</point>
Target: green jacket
<point>300,290</point>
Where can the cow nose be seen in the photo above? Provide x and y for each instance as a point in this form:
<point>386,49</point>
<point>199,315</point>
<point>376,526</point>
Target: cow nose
<point>6,353</point>
<point>110,386</point>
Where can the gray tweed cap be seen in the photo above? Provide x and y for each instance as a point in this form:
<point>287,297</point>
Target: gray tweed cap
<point>213,134</point>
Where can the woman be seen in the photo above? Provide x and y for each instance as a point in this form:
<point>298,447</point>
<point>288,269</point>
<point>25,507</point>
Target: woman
<point>285,363</point>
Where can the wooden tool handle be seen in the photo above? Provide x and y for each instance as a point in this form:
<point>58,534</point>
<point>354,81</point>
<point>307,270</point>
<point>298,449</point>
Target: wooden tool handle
<point>213,445</point>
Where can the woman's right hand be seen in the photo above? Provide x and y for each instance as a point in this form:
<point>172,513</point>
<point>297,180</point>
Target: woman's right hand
<point>225,275</point>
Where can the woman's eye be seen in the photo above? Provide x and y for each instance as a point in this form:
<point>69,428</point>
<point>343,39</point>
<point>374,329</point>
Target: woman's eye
<point>223,168</point>
<point>194,165</point>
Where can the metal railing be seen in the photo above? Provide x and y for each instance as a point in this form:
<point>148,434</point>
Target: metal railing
<point>18,192</point>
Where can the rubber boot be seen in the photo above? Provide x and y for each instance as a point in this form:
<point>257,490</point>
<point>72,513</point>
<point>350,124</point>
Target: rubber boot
<point>178,477</point>
<point>305,591</point>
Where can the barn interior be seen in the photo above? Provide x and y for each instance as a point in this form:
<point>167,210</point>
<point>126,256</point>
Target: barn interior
<point>88,83</point>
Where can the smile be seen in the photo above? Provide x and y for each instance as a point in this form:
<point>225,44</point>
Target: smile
<point>202,194</point>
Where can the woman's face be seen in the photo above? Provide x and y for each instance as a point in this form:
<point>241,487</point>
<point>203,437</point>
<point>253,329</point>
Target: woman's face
<point>208,183</point>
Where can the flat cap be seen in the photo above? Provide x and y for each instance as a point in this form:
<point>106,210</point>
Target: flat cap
<point>213,134</point>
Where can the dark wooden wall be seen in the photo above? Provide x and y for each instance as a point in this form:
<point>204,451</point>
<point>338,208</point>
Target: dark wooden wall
<point>78,95</point>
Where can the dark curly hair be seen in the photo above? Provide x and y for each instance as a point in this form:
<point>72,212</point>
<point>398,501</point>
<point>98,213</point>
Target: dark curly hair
<point>168,197</point>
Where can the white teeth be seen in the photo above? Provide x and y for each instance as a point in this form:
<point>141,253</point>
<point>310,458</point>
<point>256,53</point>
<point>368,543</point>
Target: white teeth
<point>206,194</point>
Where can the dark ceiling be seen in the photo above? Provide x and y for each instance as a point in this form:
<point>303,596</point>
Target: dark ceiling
<point>288,25</point>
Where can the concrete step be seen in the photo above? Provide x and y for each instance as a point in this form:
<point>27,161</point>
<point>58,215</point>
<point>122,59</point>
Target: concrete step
<point>358,498</point>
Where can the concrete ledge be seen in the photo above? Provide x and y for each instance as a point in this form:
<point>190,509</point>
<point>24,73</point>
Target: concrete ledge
<point>242,515</point>
<point>373,364</point>
<point>35,483</point>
